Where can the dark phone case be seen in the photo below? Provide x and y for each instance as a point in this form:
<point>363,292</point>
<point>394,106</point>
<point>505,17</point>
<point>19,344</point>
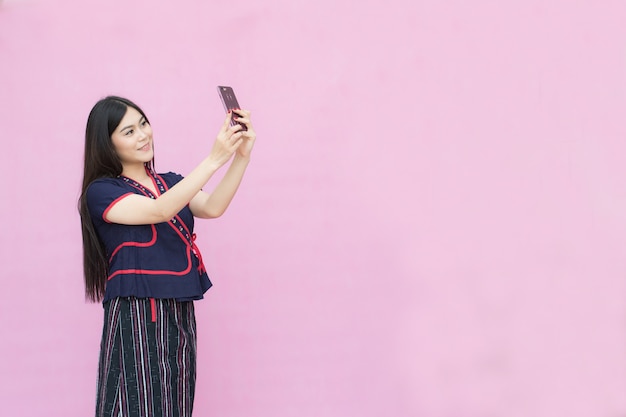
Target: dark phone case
<point>229,100</point>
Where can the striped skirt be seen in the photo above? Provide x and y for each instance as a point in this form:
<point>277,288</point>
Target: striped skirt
<point>147,364</point>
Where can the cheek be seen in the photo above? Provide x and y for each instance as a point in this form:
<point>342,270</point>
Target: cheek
<point>116,146</point>
<point>120,145</point>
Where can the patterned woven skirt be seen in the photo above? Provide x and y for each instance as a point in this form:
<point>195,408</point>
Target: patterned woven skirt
<point>147,362</point>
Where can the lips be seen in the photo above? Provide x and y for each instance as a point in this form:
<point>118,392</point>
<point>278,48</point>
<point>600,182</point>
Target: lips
<point>145,147</point>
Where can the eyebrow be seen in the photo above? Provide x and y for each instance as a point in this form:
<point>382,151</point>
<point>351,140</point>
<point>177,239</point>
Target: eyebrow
<point>129,126</point>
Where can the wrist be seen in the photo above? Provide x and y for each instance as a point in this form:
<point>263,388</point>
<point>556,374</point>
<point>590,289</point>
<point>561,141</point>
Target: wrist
<point>211,164</point>
<point>241,159</point>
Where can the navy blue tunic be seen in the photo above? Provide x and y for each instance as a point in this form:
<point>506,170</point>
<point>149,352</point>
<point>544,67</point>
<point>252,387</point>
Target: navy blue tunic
<point>147,261</point>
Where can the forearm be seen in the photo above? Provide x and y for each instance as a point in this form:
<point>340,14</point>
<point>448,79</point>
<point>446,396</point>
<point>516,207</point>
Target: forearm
<point>136,209</point>
<point>219,200</point>
<point>177,197</point>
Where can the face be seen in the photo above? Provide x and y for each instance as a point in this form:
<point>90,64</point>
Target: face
<point>132,139</point>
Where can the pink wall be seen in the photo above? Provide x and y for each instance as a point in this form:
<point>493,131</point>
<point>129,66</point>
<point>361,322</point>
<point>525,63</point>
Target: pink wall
<point>433,225</point>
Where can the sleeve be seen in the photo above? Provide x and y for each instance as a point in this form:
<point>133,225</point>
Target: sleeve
<point>171,178</point>
<point>102,194</point>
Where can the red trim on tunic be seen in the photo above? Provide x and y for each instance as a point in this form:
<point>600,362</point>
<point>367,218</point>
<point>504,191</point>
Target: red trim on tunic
<point>156,272</point>
<point>110,206</point>
<point>191,246</point>
<point>137,244</point>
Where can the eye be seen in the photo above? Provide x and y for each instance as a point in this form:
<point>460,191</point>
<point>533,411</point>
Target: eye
<point>129,132</point>
<point>144,123</point>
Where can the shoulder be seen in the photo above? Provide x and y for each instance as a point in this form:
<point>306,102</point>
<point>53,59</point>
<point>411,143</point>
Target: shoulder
<point>102,184</point>
<point>106,189</point>
<point>171,178</point>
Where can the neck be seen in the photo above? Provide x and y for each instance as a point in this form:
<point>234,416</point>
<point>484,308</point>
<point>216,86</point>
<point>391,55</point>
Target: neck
<point>136,172</point>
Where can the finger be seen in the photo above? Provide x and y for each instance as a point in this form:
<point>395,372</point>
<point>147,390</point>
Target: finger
<point>242,119</point>
<point>245,125</point>
<point>235,136</point>
<point>231,146</point>
<point>237,143</point>
<point>228,131</point>
<point>234,129</point>
<point>241,113</point>
<point>227,121</point>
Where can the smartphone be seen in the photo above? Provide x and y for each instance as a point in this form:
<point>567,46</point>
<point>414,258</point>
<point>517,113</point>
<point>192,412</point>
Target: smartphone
<point>229,100</point>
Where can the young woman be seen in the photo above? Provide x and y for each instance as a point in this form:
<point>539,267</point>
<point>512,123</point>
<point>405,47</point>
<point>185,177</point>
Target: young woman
<point>140,258</point>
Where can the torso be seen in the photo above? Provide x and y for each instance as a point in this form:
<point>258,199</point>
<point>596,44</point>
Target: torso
<point>156,260</point>
<point>150,186</point>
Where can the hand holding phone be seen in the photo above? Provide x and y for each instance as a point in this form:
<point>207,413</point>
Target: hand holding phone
<point>229,100</point>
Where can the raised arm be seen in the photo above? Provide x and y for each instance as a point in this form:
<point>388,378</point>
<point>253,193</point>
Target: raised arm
<point>205,205</point>
<point>135,209</point>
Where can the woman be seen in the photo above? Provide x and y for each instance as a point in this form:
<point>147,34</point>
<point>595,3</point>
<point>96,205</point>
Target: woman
<point>140,258</point>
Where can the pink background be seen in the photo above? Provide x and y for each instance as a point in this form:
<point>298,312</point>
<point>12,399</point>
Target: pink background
<point>433,225</point>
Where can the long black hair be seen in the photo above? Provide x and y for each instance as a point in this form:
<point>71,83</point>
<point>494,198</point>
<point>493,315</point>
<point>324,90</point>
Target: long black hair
<point>101,161</point>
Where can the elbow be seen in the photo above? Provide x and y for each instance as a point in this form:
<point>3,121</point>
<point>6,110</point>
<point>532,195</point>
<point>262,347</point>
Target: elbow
<point>213,213</point>
<point>161,216</point>
<point>214,209</point>
<point>207,209</point>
